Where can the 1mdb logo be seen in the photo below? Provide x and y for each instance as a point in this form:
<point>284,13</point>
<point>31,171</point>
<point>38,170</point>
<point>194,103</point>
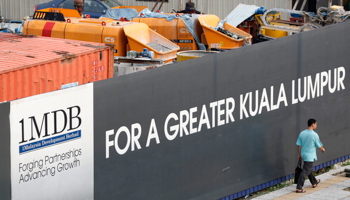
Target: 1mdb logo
<point>60,120</point>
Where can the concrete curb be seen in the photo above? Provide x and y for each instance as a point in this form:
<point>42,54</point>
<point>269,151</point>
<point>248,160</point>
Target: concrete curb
<point>330,189</point>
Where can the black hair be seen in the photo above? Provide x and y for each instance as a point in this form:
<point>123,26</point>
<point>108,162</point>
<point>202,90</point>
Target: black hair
<point>310,122</point>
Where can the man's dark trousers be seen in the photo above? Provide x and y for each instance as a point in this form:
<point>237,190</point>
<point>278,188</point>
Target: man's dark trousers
<point>307,171</point>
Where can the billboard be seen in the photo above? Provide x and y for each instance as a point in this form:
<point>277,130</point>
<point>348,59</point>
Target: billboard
<point>210,127</point>
<point>52,145</point>
<point>199,129</point>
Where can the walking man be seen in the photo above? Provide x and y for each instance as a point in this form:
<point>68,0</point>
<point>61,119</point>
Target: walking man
<point>307,142</point>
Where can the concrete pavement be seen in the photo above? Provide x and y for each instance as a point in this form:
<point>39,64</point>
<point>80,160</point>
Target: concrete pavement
<point>331,187</point>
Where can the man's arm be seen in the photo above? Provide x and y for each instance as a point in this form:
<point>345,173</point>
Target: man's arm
<point>322,149</point>
<point>299,155</point>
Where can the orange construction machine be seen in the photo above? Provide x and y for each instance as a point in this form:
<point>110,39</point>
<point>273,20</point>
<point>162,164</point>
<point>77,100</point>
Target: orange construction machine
<point>124,36</point>
<point>204,31</point>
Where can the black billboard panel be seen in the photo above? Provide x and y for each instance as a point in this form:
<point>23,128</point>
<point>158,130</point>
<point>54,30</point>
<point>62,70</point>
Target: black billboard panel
<point>210,127</point>
<point>5,167</point>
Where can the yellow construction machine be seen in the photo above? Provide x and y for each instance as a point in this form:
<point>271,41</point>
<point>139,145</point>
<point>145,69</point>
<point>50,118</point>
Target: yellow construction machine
<point>124,36</point>
<point>203,29</point>
<point>189,32</point>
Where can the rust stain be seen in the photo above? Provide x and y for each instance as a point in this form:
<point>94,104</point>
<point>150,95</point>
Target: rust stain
<point>29,36</point>
<point>86,45</point>
<point>66,57</point>
<point>64,53</point>
<point>14,40</point>
<point>93,46</point>
<point>73,44</point>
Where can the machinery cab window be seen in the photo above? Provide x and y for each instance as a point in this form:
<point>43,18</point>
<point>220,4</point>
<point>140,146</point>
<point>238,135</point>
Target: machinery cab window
<point>93,6</point>
<point>111,3</point>
<point>69,4</point>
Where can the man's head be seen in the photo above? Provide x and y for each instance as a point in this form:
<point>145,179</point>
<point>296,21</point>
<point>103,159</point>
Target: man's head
<point>190,6</point>
<point>78,4</point>
<point>312,123</point>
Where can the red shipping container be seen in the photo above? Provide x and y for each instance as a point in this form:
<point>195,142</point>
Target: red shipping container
<point>31,65</point>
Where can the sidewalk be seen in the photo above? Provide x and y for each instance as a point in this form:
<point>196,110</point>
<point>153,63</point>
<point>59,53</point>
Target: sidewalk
<point>330,187</point>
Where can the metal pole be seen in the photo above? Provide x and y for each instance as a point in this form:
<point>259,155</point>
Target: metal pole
<point>155,6</point>
<point>303,6</point>
<point>160,7</point>
<point>296,4</point>
<point>330,4</point>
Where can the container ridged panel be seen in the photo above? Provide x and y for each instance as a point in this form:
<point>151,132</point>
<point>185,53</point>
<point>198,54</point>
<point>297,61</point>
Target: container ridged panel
<point>17,9</point>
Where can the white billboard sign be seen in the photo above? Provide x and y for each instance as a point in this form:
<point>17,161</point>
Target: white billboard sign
<point>52,145</point>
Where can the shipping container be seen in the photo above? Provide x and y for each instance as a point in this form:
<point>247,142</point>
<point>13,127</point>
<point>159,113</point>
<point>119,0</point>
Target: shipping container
<point>31,65</point>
